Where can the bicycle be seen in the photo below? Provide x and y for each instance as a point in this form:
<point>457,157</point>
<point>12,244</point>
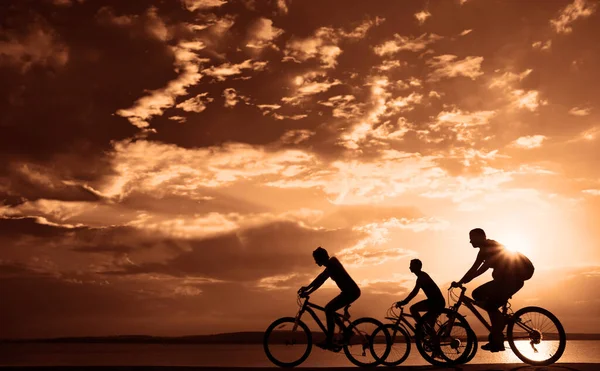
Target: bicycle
<point>401,332</point>
<point>534,334</point>
<point>354,338</point>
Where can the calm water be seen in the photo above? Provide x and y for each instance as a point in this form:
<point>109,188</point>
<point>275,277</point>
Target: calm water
<point>222,355</point>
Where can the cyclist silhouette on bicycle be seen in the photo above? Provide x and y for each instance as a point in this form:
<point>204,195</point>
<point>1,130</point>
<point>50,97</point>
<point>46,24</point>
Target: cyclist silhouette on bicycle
<point>494,294</point>
<point>349,290</point>
<point>435,300</point>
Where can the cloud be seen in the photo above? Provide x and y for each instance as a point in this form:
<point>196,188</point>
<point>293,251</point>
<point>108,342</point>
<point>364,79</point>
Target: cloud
<point>542,45</point>
<point>463,125</point>
<point>466,32</point>
<point>148,23</point>
<point>40,45</point>
<point>30,181</point>
<point>288,117</point>
<point>283,6</point>
<point>157,168</point>
<point>262,33</point>
<point>400,43</point>
<point>193,5</point>
<point>343,106</point>
<point>593,192</point>
<point>527,99</point>
<point>422,16</point>
<point>232,98</point>
<point>225,70</point>
<point>390,64</point>
<point>324,43</point>
<point>154,104</point>
<point>352,182</point>
<point>529,142</point>
<point>569,14</point>
<point>306,87</point>
<point>577,111</point>
<point>366,251</point>
<point>447,66</point>
<point>508,79</point>
<point>361,30</point>
<point>268,108</point>
<point>296,136</point>
<point>195,104</point>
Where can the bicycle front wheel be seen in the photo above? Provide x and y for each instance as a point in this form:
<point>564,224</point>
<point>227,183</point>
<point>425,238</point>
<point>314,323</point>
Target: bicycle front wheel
<point>287,343</point>
<point>445,338</point>
<point>366,342</point>
<point>399,344</point>
<point>536,336</point>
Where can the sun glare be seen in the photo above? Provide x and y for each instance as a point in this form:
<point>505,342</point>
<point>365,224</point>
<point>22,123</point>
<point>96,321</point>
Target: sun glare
<point>518,243</point>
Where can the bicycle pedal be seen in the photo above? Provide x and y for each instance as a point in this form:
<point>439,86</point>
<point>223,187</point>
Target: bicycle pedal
<point>336,348</point>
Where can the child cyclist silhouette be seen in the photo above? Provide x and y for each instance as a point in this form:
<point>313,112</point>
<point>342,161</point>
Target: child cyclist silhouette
<point>435,300</point>
<point>349,290</point>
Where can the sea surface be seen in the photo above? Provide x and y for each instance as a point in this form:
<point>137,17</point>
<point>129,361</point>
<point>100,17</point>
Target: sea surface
<point>36,354</point>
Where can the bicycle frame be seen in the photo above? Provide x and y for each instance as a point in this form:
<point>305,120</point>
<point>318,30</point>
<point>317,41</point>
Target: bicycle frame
<point>308,307</point>
<point>470,304</point>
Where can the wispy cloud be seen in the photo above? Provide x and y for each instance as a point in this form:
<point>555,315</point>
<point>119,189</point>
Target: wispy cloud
<point>529,142</point>
<point>448,66</point>
<point>572,12</point>
<point>527,99</point>
<point>195,104</point>
<point>232,97</point>
<point>262,33</point>
<point>41,45</point>
<point>401,43</point>
<point>225,70</point>
<point>577,111</point>
<point>324,43</point>
<point>542,45</point>
<point>422,16</point>
<point>154,104</point>
<point>193,5</point>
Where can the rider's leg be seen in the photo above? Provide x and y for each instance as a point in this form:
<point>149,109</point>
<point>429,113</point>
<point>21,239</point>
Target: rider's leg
<point>490,296</point>
<point>335,304</point>
<point>422,306</point>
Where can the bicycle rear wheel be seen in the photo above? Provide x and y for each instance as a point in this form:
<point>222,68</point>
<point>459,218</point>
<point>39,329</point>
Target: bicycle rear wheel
<point>445,338</point>
<point>286,343</point>
<point>536,336</point>
<point>399,344</point>
<point>366,342</point>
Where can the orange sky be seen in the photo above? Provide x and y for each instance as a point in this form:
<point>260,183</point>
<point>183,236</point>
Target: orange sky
<point>169,167</point>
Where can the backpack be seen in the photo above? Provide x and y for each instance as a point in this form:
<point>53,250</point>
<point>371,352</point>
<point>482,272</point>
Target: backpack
<point>522,267</point>
<point>510,264</point>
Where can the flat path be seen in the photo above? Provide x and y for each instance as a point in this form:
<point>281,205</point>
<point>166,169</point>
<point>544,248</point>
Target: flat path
<point>473,367</point>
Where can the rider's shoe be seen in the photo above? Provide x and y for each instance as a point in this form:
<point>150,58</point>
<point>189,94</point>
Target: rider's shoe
<point>326,345</point>
<point>437,354</point>
<point>493,347</point>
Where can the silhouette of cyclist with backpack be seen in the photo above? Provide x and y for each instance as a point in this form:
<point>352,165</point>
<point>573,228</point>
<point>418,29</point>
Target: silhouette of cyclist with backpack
<point>349,289</point>
<point>510,271</point>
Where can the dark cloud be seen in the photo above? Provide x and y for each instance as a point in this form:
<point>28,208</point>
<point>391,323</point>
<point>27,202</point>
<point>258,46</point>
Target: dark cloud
<point>275,249</point>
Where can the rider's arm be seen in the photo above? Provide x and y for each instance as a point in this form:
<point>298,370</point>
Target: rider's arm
<point>413,293</point>
<point>479,266</point>
<point>314,285</point>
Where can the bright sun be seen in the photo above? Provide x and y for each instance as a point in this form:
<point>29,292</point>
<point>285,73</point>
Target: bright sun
<point>518,243</point>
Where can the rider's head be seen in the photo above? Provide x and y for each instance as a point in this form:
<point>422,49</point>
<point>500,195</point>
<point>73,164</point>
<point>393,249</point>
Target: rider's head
<point>415,265</point>
<point>321,256</point>
<point>477,237</point>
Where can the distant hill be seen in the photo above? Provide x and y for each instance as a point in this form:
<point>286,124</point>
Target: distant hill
<point>227,338</point>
